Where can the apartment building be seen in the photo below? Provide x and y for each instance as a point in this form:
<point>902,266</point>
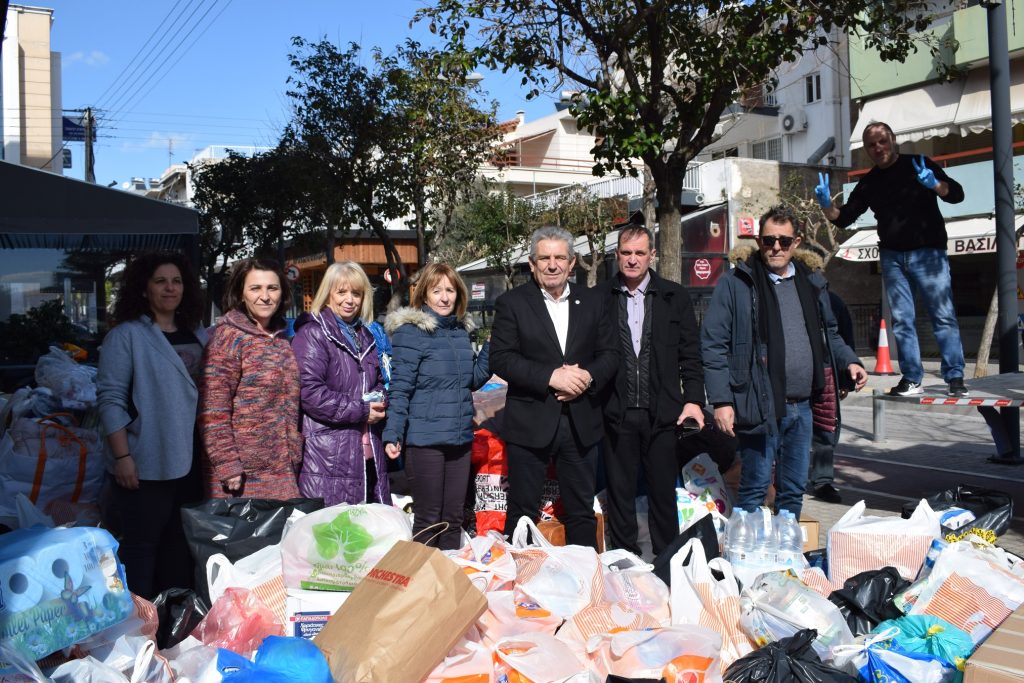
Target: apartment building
<point>30,103</point>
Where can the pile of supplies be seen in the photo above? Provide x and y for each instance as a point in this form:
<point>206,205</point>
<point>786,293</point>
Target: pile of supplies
<point>293,591</point>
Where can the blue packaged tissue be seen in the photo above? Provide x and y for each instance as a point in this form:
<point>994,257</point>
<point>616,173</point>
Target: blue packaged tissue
<point>58,587</point>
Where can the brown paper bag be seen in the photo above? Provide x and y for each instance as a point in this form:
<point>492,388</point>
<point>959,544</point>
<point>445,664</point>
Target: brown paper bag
<point>402,619</point>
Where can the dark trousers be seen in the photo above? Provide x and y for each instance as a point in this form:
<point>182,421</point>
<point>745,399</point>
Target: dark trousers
<point>152,545</point>
<point>632,443</point>
<point>823,446</point>
<point>576,467</point>
<point>438,477</point>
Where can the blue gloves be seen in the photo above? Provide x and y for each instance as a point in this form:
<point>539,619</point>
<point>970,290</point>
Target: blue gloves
<point>925,175</point>
<point>822,193</point>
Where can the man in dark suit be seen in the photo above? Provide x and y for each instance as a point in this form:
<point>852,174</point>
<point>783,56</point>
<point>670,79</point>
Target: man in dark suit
<point>553,344</point>
<point>660,383</point>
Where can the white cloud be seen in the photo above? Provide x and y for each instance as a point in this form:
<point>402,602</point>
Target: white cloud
<point>91,58</point>
<point>160,140</point>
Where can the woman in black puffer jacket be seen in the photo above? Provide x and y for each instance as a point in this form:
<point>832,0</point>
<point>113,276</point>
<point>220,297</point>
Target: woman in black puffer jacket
<point>430,409</point>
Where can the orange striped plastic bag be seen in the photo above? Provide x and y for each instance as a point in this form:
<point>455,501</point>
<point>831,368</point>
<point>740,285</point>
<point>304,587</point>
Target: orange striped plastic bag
<point>698,598</point>
<point>972,588</point>
<point>858,542</point>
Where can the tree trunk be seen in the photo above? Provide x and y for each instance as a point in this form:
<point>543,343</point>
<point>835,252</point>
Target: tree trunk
<point>329,246</point>
<point>987,332</point>
<point>669,182</point>
<point>421,233</point>
<point>650,193</point>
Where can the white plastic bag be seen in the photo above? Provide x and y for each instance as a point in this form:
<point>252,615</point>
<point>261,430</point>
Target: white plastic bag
<point>486,561</point>
<point>858,543</point>
<point>48,461</point>
<point>970,587</point>
<point>539,657</point>
<point>631,582</point>
<point>701,475</point>
<point>334,548</point>
<point>699,598</point>
<point>778,604</point>
<point>855,659</point>
<point>260,572</point>
<point>677,653</point>
<point>74,384</point>
<point>559,579</point>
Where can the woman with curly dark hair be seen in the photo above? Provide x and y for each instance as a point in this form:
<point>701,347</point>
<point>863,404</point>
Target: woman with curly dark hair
<point>148,395</point>
<point>249,403</point>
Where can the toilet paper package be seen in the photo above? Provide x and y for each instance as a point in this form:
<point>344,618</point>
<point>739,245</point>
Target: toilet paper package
<point>57,587</point>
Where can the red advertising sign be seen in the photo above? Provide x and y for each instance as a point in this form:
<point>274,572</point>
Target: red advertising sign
<point>745,226</point>
<point>702,268</point>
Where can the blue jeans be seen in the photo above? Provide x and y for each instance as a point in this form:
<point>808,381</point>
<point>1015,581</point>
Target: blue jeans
<point>788,450</point>
<point>926,271</point>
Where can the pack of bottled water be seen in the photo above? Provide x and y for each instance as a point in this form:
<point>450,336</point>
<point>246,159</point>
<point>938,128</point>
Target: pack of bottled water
<point>759,541</point>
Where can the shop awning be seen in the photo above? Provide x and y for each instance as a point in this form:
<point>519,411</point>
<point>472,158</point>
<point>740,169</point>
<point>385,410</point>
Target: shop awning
<point>968,236</point>
<point>975,112</point>
<point>42,209</point>
<point>939,109</point>
<point>918,114</point>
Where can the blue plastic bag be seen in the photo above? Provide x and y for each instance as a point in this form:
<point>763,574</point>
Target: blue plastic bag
<point>896,665</point>
<point>933,636</point>
<point>280,659</point>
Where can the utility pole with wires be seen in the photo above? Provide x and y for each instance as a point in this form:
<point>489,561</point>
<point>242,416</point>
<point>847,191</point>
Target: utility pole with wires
<point>89,122</point>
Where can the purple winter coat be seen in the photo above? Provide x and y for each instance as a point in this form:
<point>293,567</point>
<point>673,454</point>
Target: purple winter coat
<point>332,381</point>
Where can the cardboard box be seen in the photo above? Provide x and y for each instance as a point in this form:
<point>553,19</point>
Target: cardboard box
<point>554,531</point>
<point>811,529</point>
<point>308,611</point>
<point>1000,659</point>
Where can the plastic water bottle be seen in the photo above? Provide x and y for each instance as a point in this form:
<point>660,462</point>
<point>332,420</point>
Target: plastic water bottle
<point>791,539</point>
<point>739,538</point>
<point>766,539</point>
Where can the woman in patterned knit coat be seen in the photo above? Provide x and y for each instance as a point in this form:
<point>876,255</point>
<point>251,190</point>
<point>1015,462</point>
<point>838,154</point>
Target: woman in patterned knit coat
<point>249,402</point>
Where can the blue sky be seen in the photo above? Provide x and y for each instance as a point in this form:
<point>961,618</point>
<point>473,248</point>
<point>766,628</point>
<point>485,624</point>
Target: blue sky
<point>214,73</point>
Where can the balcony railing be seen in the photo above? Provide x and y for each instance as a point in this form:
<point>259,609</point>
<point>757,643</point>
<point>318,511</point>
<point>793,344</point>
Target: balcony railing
<point>627,186</point>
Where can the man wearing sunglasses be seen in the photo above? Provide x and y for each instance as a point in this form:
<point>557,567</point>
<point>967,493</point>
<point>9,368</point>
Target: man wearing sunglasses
<point>768,335</point>
<point>903,193</point>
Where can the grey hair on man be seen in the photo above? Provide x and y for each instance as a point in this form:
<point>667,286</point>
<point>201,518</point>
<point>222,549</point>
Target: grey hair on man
<point>551,232</point>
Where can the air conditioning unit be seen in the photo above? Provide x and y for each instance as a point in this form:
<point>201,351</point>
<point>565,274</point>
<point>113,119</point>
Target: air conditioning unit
<point>793,121</point>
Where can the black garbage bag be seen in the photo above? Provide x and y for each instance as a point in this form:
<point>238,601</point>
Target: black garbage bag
<point>236,528</point>
<point>865,600</point>
<point>992,509</point>
<point>704,529</point>
<point>180,610</point>
<point>790,660</point>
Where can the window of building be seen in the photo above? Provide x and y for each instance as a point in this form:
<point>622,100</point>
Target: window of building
<point>768,95</point>
<point>812,88</point>
<point>770,149</point>
<point>731,152</point>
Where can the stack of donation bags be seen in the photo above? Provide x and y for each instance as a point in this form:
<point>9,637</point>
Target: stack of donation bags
<point>346,595</point>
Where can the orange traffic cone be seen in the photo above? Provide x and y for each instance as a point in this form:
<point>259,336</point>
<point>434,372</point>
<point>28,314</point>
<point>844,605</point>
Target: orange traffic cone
<point>883,364</point>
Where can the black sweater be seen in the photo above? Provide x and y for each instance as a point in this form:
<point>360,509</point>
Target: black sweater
<point>907,212</point>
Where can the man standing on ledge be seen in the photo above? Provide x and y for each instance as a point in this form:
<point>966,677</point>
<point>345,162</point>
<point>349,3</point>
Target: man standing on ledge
<point>553,345</point>
<point>660,383</point>
<point>902,192</point>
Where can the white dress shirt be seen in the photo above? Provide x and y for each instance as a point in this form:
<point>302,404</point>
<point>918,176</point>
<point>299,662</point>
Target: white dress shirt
<point>558,309</point>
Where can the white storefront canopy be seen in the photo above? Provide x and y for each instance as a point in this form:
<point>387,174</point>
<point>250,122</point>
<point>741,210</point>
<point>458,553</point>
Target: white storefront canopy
<point>968,236</point>
<point>940,109</point>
